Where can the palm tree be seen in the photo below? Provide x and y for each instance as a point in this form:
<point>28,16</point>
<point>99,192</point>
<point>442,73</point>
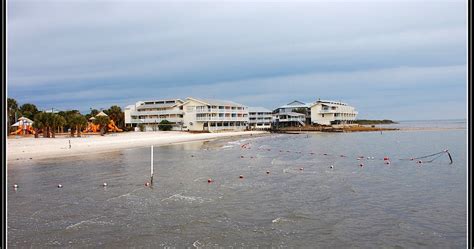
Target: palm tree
<point>116,114</point>
<point>77,122</point>
<point>12,110</point>
<point>103,121</point>
<point>56,121</point>
<point>39,124</point>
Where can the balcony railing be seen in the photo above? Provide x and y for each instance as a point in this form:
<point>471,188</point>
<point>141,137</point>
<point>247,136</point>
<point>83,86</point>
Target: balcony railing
<point>154,120</point>
<point>170,112</point>
<point>291,119</point>
<point>222,118</point>
<point>214,110</point>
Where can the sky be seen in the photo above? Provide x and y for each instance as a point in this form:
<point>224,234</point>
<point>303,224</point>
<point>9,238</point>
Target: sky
<point>400,60</point>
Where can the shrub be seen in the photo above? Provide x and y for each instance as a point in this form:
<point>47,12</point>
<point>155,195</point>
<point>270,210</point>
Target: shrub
<point>165,125</point>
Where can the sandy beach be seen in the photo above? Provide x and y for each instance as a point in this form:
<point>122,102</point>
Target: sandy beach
<point>29,148</point>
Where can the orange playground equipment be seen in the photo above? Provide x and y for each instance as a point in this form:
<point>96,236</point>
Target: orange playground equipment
<point>112,127</point>
<point>21,131</point>
<point>91,127</point>
<point>23,127</point>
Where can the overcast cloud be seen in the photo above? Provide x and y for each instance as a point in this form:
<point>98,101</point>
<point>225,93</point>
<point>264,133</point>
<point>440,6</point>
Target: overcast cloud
<point>390,59</point>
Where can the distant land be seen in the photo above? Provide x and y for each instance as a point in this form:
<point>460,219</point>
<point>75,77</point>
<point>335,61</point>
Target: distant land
<point>374,121</point>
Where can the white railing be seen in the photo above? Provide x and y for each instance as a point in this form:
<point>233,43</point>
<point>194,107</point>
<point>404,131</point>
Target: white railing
<point>222,118</point>
<point>155,120</point>
<point>140,113</point>
<point>214,110</point>
<point>291,119</point>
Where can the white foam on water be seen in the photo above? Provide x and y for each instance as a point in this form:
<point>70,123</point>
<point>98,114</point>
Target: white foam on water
<point>88,222</point>
<point>180,197</point>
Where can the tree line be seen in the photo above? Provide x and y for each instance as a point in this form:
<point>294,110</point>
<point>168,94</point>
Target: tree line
<point>50,123</point>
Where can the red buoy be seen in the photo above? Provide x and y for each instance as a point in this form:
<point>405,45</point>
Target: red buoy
<point>209,180</point>
<point>386,159</point>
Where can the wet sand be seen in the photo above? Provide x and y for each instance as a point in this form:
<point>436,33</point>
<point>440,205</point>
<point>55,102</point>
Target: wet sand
<point>29,148</point>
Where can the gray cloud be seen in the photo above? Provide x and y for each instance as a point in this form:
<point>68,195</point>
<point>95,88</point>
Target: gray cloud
<point>81,54</point>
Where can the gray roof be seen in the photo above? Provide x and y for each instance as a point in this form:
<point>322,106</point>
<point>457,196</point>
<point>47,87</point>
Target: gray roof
<point>217,102</point>
<point>145,106</point>
<point>258,109</point>
<point>296,104</point>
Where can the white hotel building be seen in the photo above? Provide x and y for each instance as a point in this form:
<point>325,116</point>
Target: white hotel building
<point>151,113</point>
<point>260,118</point>
<point>191,114</point>
<point>326,112</point>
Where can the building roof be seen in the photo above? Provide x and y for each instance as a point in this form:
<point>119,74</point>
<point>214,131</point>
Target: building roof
<point>329,103</point>
<point>258,109</point>
<point>101,113</point>
<point>216,102</point>
<point>296,104</point>
<point>146,106</point>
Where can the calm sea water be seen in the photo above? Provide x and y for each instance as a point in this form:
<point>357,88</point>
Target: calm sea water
<point>301,203</point>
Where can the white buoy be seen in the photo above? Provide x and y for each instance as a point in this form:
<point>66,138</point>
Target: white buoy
<point>15,186</point>
<point>104,184</point>
<point>60,186</point>
<point>332,166</point>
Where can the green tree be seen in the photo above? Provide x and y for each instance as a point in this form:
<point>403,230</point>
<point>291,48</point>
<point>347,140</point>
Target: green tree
<point>38,124</point>
<point>12,106</point>
<point>116,114</point>
<point>165,125</point>
<point>103,121</point>
<point>42,121</point>
<point>28,110</point>
<point>56,121</point>
<point>76,123</point>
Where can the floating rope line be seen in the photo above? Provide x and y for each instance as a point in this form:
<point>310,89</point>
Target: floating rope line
<point>432,156</point>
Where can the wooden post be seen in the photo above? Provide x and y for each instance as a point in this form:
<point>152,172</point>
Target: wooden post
<point>151,166</point>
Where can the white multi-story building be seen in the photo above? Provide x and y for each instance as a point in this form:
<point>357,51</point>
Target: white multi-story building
<point>260,118</point>
<point>151,113</point>
<point>326,112</point>
<point>214,115</point>
<point>295,113</point>
<point>191,114</point>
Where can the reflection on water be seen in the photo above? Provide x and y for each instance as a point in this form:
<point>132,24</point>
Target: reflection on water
<point>301,202</point>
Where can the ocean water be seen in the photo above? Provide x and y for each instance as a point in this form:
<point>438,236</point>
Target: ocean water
<point>301,203</point>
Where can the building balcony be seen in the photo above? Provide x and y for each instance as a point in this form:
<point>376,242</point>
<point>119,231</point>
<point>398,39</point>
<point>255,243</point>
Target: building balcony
<point>167,112</point>
<point>217,110</point>
<point>291,119</point>
<point>244,119</point>
<point>154,120</point>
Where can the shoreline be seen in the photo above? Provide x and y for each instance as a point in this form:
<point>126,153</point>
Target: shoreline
<point>20,149</point>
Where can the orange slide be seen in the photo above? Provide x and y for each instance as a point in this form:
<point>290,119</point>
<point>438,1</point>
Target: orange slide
<point>113,127</point>
<point>91,127</point>
<point>19,131</point>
